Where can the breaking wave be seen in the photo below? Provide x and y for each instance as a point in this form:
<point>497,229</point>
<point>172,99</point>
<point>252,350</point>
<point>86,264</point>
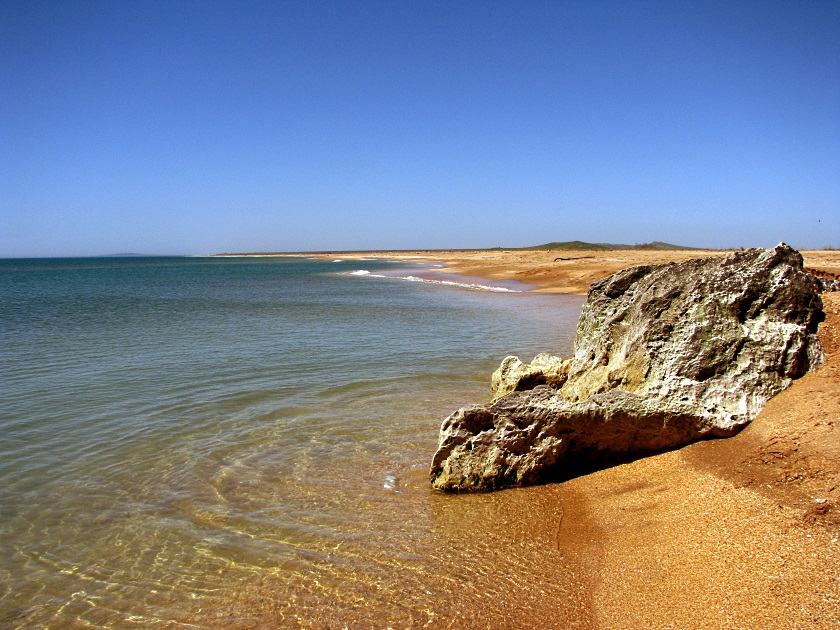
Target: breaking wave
<point>452,283</point>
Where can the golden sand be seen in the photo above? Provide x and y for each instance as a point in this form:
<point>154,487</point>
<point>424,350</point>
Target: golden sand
<point>736,533</point>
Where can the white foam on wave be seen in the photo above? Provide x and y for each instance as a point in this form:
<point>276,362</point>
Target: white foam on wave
<point>464,285</point>
<point>449,283</point>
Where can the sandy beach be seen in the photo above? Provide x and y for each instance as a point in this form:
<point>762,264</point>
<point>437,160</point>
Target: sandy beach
<point>736,533</point>
<point>561,271</point>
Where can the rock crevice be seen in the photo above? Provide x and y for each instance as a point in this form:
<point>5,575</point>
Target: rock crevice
<point>664,355</point>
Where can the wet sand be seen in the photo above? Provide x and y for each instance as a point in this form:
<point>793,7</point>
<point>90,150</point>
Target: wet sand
<point>736,533</point>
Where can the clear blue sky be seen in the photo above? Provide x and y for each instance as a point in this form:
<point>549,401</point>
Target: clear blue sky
<point>200,127</point>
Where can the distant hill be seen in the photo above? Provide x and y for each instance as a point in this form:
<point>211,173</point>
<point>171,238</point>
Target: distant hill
<point>597,247</point>
<point>570,245</point>
<point>659,245</point>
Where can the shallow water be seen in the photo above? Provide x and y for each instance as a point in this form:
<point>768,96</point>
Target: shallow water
<point>216,442</point>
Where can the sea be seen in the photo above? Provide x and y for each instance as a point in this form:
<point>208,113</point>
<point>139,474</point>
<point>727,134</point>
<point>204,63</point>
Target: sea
<point>191,442</point>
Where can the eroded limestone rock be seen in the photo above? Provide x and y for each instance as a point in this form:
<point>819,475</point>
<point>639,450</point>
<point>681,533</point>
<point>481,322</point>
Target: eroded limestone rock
<point>514,376</point>
<point>664,355</point>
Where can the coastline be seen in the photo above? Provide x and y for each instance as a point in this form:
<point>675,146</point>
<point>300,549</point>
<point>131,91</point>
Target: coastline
<point>550,271</point>
<point>735,533</point>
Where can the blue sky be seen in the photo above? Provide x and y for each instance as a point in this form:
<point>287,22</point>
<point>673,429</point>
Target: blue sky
<point>202,127</point>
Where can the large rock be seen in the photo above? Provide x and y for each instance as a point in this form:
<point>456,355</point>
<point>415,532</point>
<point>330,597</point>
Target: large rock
<point>664,355</point>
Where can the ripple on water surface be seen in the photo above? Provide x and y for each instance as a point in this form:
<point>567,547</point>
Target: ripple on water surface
<point>249,441</point>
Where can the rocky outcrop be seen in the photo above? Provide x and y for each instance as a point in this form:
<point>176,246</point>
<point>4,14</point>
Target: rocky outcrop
<point>515,376</point>
<point>664,355</point>
<point>830,282</point>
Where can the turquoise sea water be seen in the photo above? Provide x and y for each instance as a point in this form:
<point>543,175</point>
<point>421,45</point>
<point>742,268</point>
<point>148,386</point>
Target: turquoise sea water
<point>204,442</point>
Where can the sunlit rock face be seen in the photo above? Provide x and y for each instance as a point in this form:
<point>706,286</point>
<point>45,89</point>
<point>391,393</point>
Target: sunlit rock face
<point>664,355</point>
<point>514,375</point>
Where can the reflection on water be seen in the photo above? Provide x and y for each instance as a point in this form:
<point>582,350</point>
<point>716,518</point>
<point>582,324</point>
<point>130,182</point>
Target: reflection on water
<point>203,471</point>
